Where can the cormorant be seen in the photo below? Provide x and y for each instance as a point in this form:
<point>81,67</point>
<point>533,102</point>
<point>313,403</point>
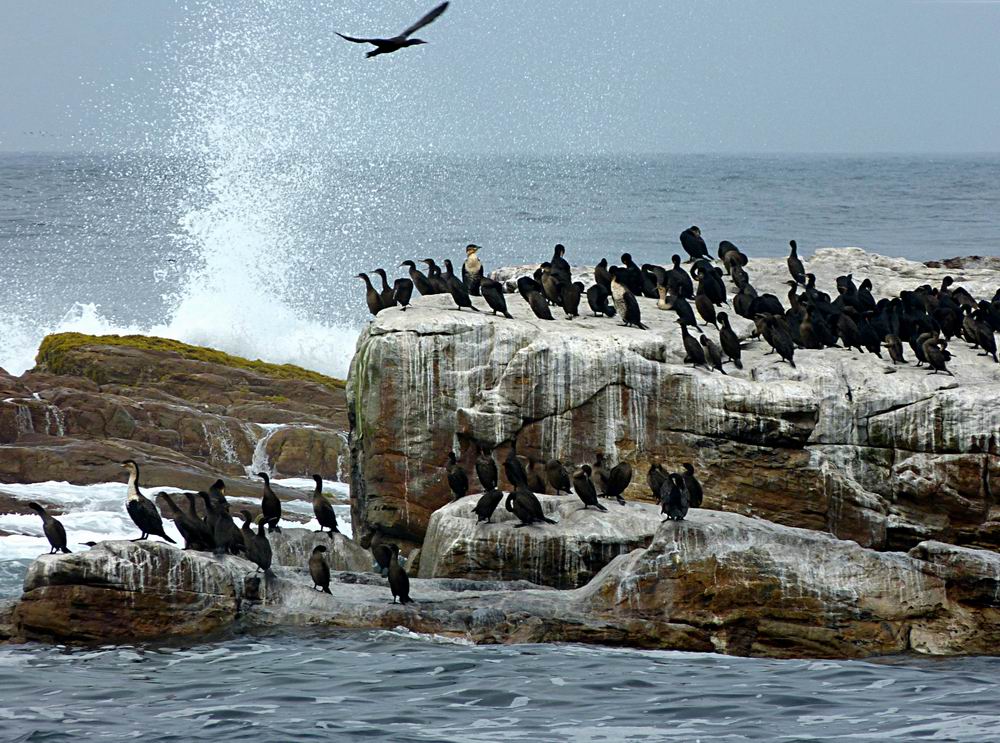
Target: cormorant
<point>693,243</point>
<point>600,474</point>
<point>225,534</point>
<point>387,295</point>
<point>457,289</point>
<point>259,548</point>
<point>458,480</point>
<point>678,280</point>
<point>319,571</point>
<point>571,294</point>
<point>618,479</point>
<point>713,354</point>
<point>937,356</point>
<point>196,536</point>
<point>514,469</point>
<point>585,489</point>
<point>692,486</point>
<point>402,290</point>
<point>435,277</point>
<point>551,285</point>
<point>395,43</point>
<point>601,275</point>
<point>655,479</point>
<point>486,469</point>
<point>486,505</point>
<point>536,479</point>
<point>706,308</point>
<point>399,581</point>
<point>538,304</point>
<point>630,276</point>
<point>420,281</point>
<point>380,551</point>
<point>270,506</point>
<point>795,267</point>
<point>472,270</point>
<point>560,266</point>
<point>322,509</point>
<point>895,348</point>
<point>557,476</point>
<point>695,354</point>
<point>625,301</point>
<point>142,510</point>
<point>597,298</point>
<point>675,505</point>
<point>729,341</point>
<point>492,292</point>
<point>371,295</point>
<point>55,532</point>
<point>526,507</point>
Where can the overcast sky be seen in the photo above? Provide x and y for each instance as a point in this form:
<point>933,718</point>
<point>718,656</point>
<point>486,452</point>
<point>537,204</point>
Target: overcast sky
<point>510,75</point>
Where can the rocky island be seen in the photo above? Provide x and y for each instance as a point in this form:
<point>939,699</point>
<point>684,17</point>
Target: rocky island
<point>848,510</point>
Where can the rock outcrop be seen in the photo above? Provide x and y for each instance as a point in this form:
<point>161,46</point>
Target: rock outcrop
<point>562,555</point>
<point>845,443</point>
<point>716,582</point>
<point>188,414</point>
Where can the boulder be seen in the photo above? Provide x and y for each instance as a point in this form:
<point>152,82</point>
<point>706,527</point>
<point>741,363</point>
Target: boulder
<point>845,443</point>
<point>564,555</point>
<point>716,582</point>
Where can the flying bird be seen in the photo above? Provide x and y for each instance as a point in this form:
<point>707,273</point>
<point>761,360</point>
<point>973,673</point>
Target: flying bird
<point>387,46</point>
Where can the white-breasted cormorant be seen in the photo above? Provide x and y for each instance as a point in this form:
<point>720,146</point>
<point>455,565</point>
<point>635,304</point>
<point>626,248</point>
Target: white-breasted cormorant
<point>625,301</point>
<point>395,43</point>
<point>472,270</point>
<point>55,532</point>
<point>142,510</point>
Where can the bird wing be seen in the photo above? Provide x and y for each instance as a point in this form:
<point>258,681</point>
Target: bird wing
<point>427,19</point>
<point>355,40</point>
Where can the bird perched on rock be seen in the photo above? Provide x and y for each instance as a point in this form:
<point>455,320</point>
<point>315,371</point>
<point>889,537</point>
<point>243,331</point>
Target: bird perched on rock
<point>55,532</point>
<point>729,341</point>
<point>486,469</point>
<point>625,302</point>
<point>619,479</point>
<point>322,509</point>
<point>675,504</point>
<point>399,581</point>
<point>895,348</point>
<point>713,354</point>
<point>557,476</point>
<point>692,486</point>
<point>419,280</point>
<point>523,504</point>
<point>472,270</point>
<point>226,537</point>
<point>597,299</point>
<point>536,476</point>
<point>458,481</point>
<point>585,489</point>
<point>381,552</point>
<point>795,266</point>
<point>402,290</point>
<point>259,548</point>
<point>655,478</point>
<point>492,292</point>
<point>403,40</point>
<point>270,506</point>
<point>486,506</point>
<point>372,297</point>
<point>192,529</point>
<point>386,294</point>
<point>319,571</point>
<point>457,289</point>
<point>140,509</point>
<point>694,353</point>
<point>514,469</point>
<point>693,243</point>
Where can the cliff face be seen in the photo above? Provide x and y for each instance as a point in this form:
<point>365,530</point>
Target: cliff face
<point>846,443</point>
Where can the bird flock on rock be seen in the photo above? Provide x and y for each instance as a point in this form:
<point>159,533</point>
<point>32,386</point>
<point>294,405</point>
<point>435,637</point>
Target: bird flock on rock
<point>675,492</point>
<point>205,522</point>
<point>926,318</point>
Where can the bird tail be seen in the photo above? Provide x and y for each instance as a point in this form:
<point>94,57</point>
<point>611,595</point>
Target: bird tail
<point>508,315</point>
<point>548,520</point>
<point>600,507</point>
<point>737,363</point>
<point>163,534</point>
<point>66,551</point>
<point>641,326</point>
<point>327,590</point>
<point>621,501</point>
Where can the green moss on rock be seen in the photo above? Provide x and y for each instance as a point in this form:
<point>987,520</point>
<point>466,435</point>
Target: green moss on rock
<point>54,352</point>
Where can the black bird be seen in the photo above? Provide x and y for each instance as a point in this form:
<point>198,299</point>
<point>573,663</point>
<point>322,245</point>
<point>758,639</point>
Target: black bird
<point>420,281</point>
<point>585,489</point>
<point>692,486</point>
<point>457,289</point>
<point>458,480</point>
<point>538,304</point>
<point>322,509</point>
<point>525,505</point>
<point>395,43</point>
<point>372,297</point>
<point>619,479</point>
<point>55,532</point>
<point>536,479</point>
<point>677,303</point>
<point>560,266</point>
<point>895,348</point>
<point>601,275</point>
<point>679,281</point>
<point>937,356</point>
<point>780,339</point>
<point>514,469</point>
<point>472,270</point>
<point>386,294</point>
<point>729,341</point>
<point>399,581</point>
<point>630,275</point>
<point>600,474</point>
<point>142,510</point>
<point>270,506</point>
<point>695,354</point>
<point>676,503</point>
<point>693,244</point>
<point>486,505</point>
<point>795,267</point>
<point>571,294</point>
<point>625,301</point>
<point>319,571</point>
<point>655,479</point>
<point>226,537</point>
<point>486,469</point>
<point>381,551</point>
<point>492,292</point>
<point>706,308</point>
<point>259,548</point>
<point>402,290</point>
<point>552,285</point>
<point>713,354</point>
<point>192,529</point>
<point>435,277</point>
<point>557,476</point>
<point>597,298</point>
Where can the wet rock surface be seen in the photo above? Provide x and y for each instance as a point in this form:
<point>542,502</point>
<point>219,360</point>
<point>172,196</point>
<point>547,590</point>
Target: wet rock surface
<point>846,443</point>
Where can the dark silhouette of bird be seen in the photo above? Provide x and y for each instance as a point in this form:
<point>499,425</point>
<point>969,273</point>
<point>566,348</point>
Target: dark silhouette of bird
<point>486,469</point>
<point>458,480</point>
<point>270,506</point>
<point>395,43</point>
<point>492,292</point>
<point>486,505</point>
<point>322,509</point>
<point>399,581</point>
<point>526,506</point>
<point>54,530</point>
<point>618,480</point>
<point>402,290</point>
<point>319,571</point>
<point>585,489</point>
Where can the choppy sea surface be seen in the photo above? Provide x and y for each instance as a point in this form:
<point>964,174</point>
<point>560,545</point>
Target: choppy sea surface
<point>399,686</point>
